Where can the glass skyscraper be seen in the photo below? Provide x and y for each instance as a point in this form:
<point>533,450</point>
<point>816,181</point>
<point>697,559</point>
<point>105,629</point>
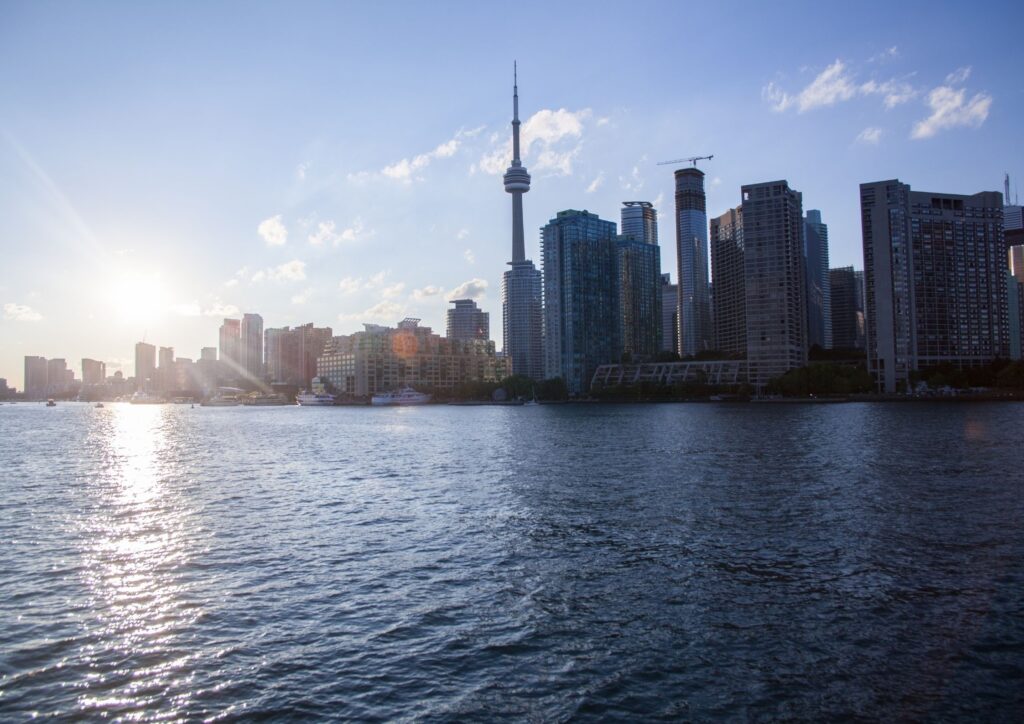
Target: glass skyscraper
<point>692,262</point>
<point>581,297</point>
<point>639,279</point>
<point>819,287</point>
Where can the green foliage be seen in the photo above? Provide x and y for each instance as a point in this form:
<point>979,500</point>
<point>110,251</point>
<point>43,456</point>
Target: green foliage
<point>552,390</point>
<point>822,379</point>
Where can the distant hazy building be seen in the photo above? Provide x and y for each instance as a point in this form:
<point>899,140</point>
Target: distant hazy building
<point>145,365</point>
<point>231,347</point>
<point>581,300</point>
<point>692,262</point>
<point>467,321</point>
<point>640,221</point>
<point>935,278</point>
<point>251,346</point>
<point>94,372</point>
<point>819,290</point>
<point>208,353</point>
<point>35,378</point>
<point>847,308</point>
<point>292,353</point>
<point>380,359</point>
<point>669,315</point>
<point>521,301</point>
<point>776,310</point>
<point>730,289</point>
<point>165,374</point>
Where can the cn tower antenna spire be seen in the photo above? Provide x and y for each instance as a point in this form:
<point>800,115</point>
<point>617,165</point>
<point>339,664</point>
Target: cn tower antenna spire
<point>517,180</point>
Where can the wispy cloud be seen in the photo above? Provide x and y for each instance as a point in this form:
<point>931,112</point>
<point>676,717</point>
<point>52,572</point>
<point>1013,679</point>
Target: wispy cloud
<point>596,183</point>
<point>473,289</point>
<point>216,308</point>
<point>350,285</point>
<point>273,231</point>
<point>21,313</point>
<point>406,170</point>
<point>392,291</point>
<point>550,140</point>
<point>302,297</point>
<point>385,311</point>
<point>324,233</point>
<point>951,108</point>
<point>426,292</point>
<point>835,84</point>
<point>870,136</point>
<point>290,271</point>
<point>469,256</point>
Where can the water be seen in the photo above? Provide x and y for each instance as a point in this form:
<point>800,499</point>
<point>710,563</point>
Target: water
<point>542,563</point>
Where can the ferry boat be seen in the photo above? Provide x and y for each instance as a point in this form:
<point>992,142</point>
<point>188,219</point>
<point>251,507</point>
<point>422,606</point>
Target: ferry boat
<point>265,400</point>
<point>404,396</point>
<point>220,401</point>
<point>314,399</point>
<point>145,398</point>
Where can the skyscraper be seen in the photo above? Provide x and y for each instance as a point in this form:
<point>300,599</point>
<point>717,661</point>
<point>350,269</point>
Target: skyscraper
<point>521,306</point>
<point>775,305</point>
<point>35,377</point>
<point>94,372</point>
<point>251,346</point>
<point>692,262</point>
<point>819,289</point>
<point>730,290</point>
<point>145,365</point>
<point>638,273</point>
<point>466,321</point>
<point>165,368</point>
<point>935,280</point>
<point>230,347</point>
<point>581,297</point>
<point>669,315</point>
<point>847,308</point>
<point>292,353</point>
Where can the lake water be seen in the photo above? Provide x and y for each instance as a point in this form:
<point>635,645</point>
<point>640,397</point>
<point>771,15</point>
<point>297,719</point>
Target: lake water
<point>688,561</point>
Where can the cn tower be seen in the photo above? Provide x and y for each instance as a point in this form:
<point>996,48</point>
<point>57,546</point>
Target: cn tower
<point>521,285</point>
<point>517,180</point>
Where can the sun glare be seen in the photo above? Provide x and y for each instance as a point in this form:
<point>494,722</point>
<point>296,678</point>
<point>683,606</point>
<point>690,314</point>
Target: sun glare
<point>137,298</point>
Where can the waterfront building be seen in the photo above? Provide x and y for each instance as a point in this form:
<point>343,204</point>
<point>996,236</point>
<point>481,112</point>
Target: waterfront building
<point>638,274</point>
<point>521,301</point>
<point>35,377</point>
<point>730,289</point>
<point>640,221</point>
<point>935,280</point>
<point>230,344</point>
<point>581,297</point>
<point>58,377</point>
<point>847,305</point>
<point>1013,233</point>
<point>382,359</point>
<point>468,321</point>
<point>145,365</point>
<point>292,353</point>
<point>819,289</point>
<point>669,314</point>
<point>208,353</point>
<point>775,307</point>
<point>692,262</point>
<point>94,372</point>
<point>165,373</point>
<point>251,346</point>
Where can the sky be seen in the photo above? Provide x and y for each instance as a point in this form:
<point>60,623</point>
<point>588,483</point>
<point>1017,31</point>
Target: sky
<point>163,166</point>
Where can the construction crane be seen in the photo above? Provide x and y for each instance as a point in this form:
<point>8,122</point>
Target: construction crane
<point>692,160</point>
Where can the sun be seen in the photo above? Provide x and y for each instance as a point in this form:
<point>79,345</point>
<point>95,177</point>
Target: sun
<point>136,297</point>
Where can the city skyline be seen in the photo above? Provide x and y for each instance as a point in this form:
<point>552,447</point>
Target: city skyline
<point>126,223</point>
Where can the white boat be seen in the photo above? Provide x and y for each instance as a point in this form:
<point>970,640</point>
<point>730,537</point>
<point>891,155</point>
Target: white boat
<point>314,399</point>
<point>404,396</point>
<point>145,398</point>
<point>219,401</point>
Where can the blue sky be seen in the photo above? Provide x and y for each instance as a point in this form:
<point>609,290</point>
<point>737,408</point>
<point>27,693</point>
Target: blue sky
<point>164,166</point>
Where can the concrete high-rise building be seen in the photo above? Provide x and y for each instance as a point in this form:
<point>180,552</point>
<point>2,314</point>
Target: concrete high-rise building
<point>847,308</point>
<point>819,290</point>
<point>165,371</point>
<point>251,346</point>
<point>692,262</point>
<point>640,221</point>
<point>1013,232</point>
<point>145,365</point>
<point>935,280</point>
<point>58,381</point>
<point>521,301</point>
<point>581,297</point>
<point>468,321</point>
<point>669,315</point>
<point>292,353</point>
<point>776,310</point>
<point>35,385</point>
<point>94,372</point>
<point>230,347</point>
<point>638,277</point>
<point>208,354</point>
<point>730,288</point>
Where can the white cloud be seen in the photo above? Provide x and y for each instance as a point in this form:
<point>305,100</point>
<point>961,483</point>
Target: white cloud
<point>231,283</point>
<point>392,291</point>
<point>473,289</point>
<point>21,313</point>
<point>356,232</point>
<point>463,233</point>
<point>290,271</point>
<point>549,141</point>
<point>426,292</point>
<point>385,311</point>
<point>893,92</point>
<point>405,169</point>
<point>959,76</point>
<point>887,54</point>
<point>834,85</point>
<point>469,256</point>
<point>300,170</point>
<point>219,309</point>
<point>302,297</point>
<point>951,109</point>
<point>870,136</point>
<point>193,309</point>
<point>596,183</point>
<point>273,231</point>
<point>634,182</point>
<point>350,285</point>
<point>376,280</point>
<point>324,233</point>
